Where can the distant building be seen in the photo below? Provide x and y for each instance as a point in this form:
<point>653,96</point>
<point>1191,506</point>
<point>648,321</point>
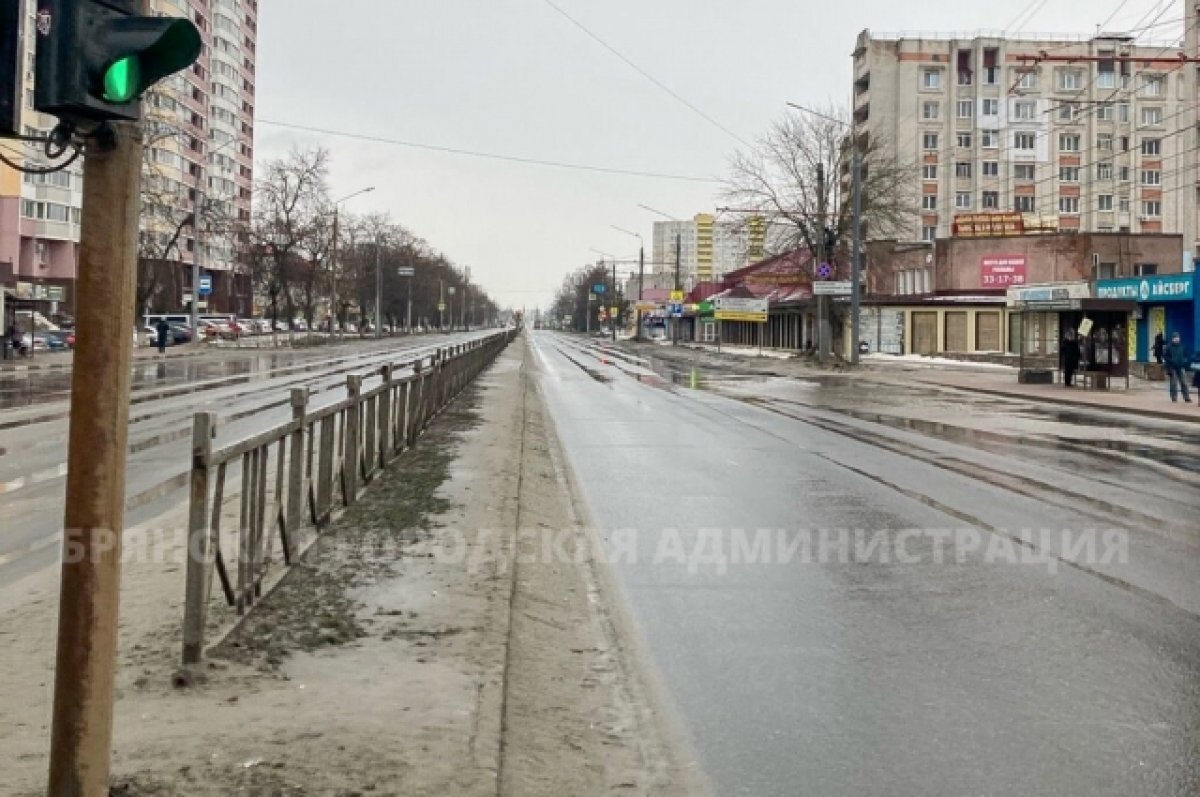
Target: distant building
<point>709,248</point>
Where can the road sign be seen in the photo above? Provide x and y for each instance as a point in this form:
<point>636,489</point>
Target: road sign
<point>675,310</point>
<point>591,297</point>
<point>450,290</point>
<point>832,288</point>
<point>405,271</point>
<point>441,307</point>
<point>824,271</point>
<point>729,308</point>
<point>205,285</point>
<point>676,297</point>
<point>599,288</point>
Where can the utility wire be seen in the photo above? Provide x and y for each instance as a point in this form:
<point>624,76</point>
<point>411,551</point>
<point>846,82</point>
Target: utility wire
<point>488,155</point>
<point>675,95</point>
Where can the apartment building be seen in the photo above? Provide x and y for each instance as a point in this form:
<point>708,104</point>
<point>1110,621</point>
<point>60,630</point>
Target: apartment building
<point>199,144</point>
<point>709,248</point>
<point>1075,134</point>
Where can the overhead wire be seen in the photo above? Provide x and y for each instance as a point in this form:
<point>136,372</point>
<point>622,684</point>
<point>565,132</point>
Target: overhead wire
<point>486,155</point>
<point>630,63</point>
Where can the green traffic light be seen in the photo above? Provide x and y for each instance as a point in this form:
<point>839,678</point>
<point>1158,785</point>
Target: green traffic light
<point>122,80</point>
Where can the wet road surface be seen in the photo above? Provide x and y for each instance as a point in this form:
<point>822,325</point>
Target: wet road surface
<point>917,592</point>
<point>249,391</point>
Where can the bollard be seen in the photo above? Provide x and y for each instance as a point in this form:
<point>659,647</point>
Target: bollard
<point>199,550</point>
<point>353,440</point>
<point>295,499</point>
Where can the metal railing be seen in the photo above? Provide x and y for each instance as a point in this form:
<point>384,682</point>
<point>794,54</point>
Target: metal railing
<point>294,475</point>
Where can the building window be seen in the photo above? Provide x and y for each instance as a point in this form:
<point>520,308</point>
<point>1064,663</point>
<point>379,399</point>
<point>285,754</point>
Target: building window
<point>991,200</point>
<point>1068,174</point>
<point>1145,269</point>
<point>962,200</point>
<point>962,170</point>
<point>1104,112</point>
<point>1154,85</point>
<point>929,201</point>
<point>1069,142</point>
<point>1023,171</point>
<point>1151,177</point>
<point>1066,111</point>
<point>1151,146</point>
<point>964,140</point>
<point>1152,116</point>
<point>1028,80</point>
<point>928,233</point>
<point>1068,205</point>
<point>1024,110</point>
<point>989,139</point>
<point>1070,80</point>
<point>1123,204</point>
<point>1104,203</point>
<point>1124,174</point>
<point>1104,142</point>
<point>991,107</point>
<point>931,110</point>
<point>931,79</point>
<point>930,141</point>
<point>991,168</point>
<point>1151,209</point>
<point>1123,112</point>
<point>1024,141</point>
<point>1023,204</point>
<point>965,109</point>
<point>1106,78</point>
<point>1106,271</point>
<point>929,172</point>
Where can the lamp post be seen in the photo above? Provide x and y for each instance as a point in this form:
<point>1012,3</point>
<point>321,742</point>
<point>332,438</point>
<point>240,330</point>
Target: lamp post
<point>333,255</point>
<point>641,277</point>
<point>856,168</point>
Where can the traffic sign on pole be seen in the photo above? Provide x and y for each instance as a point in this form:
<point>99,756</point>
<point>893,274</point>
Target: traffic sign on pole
<point>206,285</point>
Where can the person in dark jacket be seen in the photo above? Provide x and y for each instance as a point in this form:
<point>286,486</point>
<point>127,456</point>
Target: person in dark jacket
<point>1178,361</point>
<point>162,335</point>
<point>1071,356</point>
<point>1160,344</point>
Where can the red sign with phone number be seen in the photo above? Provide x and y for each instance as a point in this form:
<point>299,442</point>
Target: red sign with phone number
<point>1001,271</point>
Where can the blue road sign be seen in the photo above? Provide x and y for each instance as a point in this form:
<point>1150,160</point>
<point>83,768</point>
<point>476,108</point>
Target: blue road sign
<point>206,286</point>
<point>824,271</point>
<point>601,288</point>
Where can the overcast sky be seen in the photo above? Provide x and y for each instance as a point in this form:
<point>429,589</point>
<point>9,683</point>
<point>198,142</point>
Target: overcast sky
<point>515,77</point>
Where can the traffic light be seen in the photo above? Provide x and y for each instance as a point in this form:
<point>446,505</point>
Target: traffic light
<point>95,58</point>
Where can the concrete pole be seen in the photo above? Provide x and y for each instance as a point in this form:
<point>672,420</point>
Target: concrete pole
<point>823,347</point>
<point>81,728</point>
<point>856,264</point>
<point>378,286</point>
<point>641,280</point>
<point>333,262</point>
<point>678,259</point>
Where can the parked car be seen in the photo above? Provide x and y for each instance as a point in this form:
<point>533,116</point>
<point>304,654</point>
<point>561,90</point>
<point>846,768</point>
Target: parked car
<point>281,326</point>
<point>181,333</point>
<point>48,341</point>
<point>65,336</point>
<point>152,336</point>
<point>300,325</point>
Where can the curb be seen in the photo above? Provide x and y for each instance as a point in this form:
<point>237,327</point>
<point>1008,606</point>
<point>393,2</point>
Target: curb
<point>1169,415</point>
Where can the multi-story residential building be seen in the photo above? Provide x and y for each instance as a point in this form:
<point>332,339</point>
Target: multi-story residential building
<point>199,143</point>
<point>1076,134</point>
<point>708,248</point>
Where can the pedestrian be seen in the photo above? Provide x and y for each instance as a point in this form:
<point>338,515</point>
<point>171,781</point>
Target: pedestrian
<point>15,340</point>
<point>1178,361</point>
<point>1159,345</point>
<point>163,335</point>
<point>1071,355</point>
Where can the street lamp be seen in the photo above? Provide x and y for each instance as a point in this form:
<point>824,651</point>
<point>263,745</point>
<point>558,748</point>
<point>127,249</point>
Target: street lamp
<point>856,232</point>
<point>333,256</point>
<point>641,277</point>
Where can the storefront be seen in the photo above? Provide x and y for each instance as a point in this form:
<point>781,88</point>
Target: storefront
<point>1166,303</point>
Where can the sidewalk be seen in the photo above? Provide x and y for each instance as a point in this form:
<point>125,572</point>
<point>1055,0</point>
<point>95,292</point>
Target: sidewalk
<point>1149,399</point>
<point>413,651</point>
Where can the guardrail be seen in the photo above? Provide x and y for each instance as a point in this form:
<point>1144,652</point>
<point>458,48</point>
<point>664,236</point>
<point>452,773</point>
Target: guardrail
<point>296,473</point>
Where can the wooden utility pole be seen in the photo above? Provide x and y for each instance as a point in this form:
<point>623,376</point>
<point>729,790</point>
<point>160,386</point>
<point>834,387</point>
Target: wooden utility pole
<point>81,735</point>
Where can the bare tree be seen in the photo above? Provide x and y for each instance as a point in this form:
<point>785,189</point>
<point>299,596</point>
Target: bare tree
<point>778,180</point>
<point>288,236</point>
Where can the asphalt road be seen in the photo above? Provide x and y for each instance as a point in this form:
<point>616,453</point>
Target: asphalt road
<point>903,592</point>
<point>248,389</point>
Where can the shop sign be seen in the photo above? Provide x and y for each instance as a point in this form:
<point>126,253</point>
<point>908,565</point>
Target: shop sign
<point>1158,288</point>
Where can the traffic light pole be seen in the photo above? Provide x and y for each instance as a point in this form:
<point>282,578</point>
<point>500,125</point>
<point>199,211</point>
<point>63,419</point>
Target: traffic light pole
<point>678,260</point>
<point>613,323</point>
<point>856,264</point>
<point>81,734</point>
